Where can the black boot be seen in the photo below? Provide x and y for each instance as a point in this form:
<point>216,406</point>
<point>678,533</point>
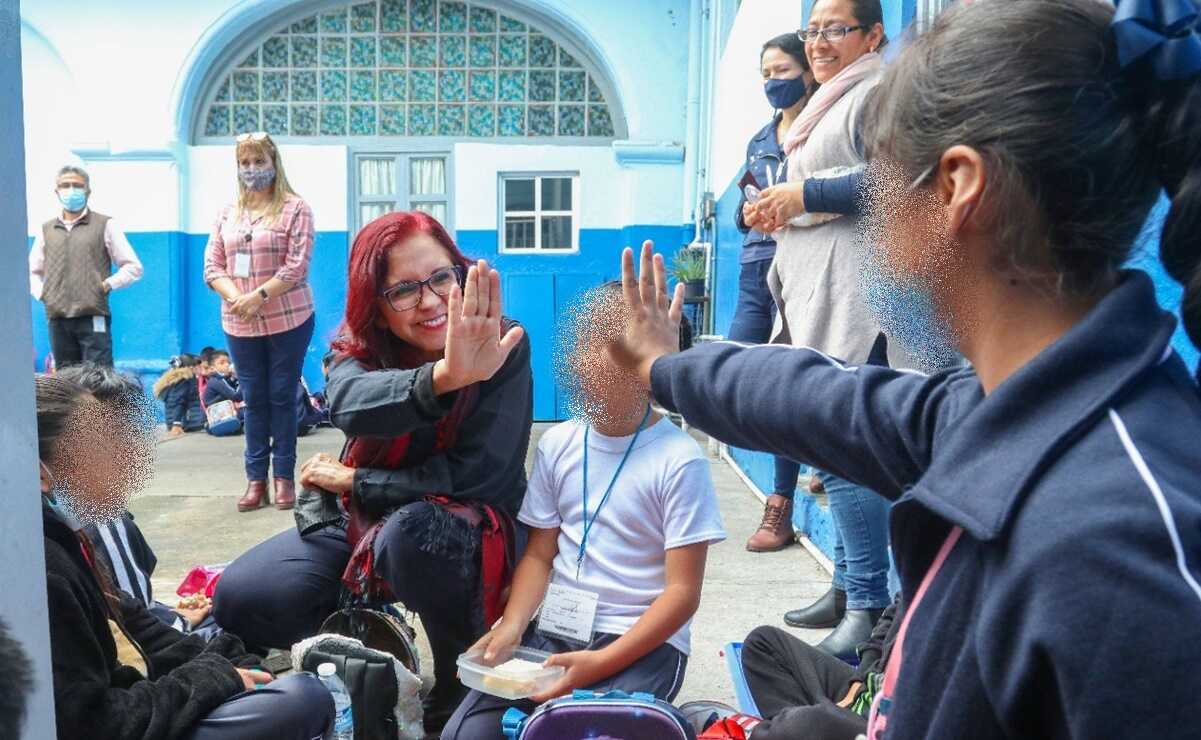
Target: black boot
<point>824,613</point>
<point>854,629</point>
<point>446,644</point>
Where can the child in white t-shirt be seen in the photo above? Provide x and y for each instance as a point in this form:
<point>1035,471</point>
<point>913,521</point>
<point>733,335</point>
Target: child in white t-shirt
<point>637,551</point>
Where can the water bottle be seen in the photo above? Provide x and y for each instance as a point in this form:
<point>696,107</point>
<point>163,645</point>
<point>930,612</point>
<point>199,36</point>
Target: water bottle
<point>343,716</point>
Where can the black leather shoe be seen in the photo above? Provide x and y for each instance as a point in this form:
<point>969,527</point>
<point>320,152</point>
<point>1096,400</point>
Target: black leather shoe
<point>854,629</point>
<point>824,613</point>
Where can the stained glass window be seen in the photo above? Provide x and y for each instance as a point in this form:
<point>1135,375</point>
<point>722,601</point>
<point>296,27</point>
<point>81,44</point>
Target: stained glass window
<point>410,68</point>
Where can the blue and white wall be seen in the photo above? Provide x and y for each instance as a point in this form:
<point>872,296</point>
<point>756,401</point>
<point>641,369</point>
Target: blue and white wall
<point>116,86</point>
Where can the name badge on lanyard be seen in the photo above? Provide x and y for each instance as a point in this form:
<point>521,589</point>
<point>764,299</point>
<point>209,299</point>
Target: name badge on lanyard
<point>568,612</point>
<point>242,259</point>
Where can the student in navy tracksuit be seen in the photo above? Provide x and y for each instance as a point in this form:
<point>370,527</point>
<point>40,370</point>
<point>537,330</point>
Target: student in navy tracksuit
<point>1047,524</point>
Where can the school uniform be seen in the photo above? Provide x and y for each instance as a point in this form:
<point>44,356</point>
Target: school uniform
<point>662,498</point>
<point>1062,511</point>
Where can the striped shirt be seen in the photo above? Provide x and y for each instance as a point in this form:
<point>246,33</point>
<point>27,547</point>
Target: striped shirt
<point>279,249</point>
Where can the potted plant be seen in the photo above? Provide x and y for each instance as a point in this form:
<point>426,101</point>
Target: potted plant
<point>688,267</point>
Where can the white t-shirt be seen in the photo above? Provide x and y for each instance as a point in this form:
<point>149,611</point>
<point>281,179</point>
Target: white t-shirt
<point>664,498</point>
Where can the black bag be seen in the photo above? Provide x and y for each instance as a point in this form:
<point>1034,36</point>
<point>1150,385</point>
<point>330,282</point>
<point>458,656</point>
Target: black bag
<point>369,674</point>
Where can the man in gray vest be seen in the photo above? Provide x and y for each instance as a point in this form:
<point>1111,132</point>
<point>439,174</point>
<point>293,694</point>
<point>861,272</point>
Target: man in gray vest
<point>71,273</point>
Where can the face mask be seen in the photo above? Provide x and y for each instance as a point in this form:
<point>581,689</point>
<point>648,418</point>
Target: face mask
<point>256,178</point>
<point>73,199</point>
<point>784,93</point>
<point>58,500</point>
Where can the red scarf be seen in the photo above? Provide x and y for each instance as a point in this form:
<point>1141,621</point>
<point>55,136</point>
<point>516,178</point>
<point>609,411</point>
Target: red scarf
<point>362,529</point>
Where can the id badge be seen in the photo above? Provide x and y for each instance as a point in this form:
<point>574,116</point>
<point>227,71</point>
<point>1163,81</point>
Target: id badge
<point>568,613</point>
<point>99,325</point>
<point>242,265</point>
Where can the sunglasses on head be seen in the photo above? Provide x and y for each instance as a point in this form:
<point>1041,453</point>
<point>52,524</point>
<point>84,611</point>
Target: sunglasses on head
<point>251,136</point>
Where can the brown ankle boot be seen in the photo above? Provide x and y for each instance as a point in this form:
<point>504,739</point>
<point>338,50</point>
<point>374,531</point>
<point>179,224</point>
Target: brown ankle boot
<point>775,531</point>
<point>285,494</point>
<point>255,496</point>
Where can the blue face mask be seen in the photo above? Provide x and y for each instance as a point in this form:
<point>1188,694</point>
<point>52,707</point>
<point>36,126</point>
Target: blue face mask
<point>784,93</point>
<point>73,199</point>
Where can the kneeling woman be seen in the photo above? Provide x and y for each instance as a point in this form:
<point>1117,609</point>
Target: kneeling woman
<point>118,671</point>
<point>437,409</point>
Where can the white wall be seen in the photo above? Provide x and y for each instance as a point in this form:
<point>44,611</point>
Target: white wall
<point>317,172</point>
<point>102,76</point>
<point>740,109</point>
<point>610,195</point>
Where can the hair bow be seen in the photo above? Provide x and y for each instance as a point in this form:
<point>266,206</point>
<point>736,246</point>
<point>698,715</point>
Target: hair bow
<point>1164,32</point>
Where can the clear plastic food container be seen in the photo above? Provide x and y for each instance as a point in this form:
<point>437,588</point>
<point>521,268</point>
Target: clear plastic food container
<point>501,677</point>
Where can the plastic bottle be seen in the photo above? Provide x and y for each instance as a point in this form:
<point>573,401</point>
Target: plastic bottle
<point>343,715</point>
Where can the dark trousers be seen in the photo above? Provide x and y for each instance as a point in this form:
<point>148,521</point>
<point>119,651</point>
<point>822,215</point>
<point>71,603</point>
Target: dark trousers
<point>280,591</point>
<point>295,707</point>
<point>73,341</point>
<point>797,689</point>
<point>753,317</point>
<point>269,371</point>
<point>659,672</point>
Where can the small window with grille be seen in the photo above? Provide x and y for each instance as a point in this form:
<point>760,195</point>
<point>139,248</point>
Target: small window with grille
<point>540,212</point>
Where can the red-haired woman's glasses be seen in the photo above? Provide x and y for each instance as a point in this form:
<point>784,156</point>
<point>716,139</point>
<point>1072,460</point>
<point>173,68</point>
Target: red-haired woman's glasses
<point>407,295</point>
<point>251,136</point>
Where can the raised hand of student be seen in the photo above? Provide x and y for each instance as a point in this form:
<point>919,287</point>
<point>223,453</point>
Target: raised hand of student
<point>498,642</point>
<point>653,328</point>
<point>584,668</point>
<point>324,472</point>
<point>475,348</point>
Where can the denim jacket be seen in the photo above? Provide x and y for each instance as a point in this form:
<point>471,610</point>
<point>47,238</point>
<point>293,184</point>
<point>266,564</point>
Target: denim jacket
<point>763,153</point>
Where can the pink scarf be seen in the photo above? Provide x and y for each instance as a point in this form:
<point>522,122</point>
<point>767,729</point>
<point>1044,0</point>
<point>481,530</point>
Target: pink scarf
<point>826,96</point>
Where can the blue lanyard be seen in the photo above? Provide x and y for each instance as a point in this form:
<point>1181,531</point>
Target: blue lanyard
<point>588,524</point>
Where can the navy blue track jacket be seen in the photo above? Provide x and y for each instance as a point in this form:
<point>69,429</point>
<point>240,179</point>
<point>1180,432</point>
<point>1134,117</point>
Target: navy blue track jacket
<point>1071,606</point>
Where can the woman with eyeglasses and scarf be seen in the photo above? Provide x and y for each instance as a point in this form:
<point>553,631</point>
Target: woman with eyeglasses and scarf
<point>815,280</point>
<point>433,389</point>
<point>257,260</point>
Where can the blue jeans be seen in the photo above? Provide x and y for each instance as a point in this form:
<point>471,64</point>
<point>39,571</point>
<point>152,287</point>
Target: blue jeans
<point>861,562</point>
<point>269,371</point>
<point>753,317</point>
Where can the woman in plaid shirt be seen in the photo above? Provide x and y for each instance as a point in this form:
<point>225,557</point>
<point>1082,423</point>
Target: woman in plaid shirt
<point>257,260</point>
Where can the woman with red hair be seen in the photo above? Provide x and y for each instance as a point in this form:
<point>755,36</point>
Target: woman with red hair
<point>432,387</point>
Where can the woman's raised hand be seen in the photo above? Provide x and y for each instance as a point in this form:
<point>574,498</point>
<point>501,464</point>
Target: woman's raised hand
<point>475,348</point>
<point>653,329</point>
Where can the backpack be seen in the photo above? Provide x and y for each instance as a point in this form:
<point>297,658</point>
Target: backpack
<point>376,657</point>
<point>616,714</point>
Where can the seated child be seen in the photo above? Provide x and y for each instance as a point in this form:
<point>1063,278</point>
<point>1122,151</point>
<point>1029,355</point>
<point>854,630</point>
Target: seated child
<point>119,543</point>
<point>803,691</point>
<point>222,385</point>
<point>620,505</point>
<point>310,414</point>
<point>179,390</point>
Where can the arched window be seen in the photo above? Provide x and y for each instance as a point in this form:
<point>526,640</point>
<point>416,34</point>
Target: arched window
<point>410,68</point>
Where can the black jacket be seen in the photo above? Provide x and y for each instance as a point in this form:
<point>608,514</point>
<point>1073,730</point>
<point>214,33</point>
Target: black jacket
<point>221,388</point>
<point>1062,610</point>
<point>487,463</point>
<point>98,697</point>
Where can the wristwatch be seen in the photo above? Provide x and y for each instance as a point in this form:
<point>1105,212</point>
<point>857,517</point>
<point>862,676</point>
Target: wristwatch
<point>264,295</point>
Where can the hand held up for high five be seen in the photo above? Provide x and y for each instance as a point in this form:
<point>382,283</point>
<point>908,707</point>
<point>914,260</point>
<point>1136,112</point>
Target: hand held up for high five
<point>653,329</point>
<point>475,348</point>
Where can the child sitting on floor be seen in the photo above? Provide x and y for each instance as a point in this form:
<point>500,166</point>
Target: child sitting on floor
<point>179,390</point>
<point>222,396</point>
<point>621,510</point>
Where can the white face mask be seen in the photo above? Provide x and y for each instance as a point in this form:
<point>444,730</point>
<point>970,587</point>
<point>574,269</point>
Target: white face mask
<point>58,500</point>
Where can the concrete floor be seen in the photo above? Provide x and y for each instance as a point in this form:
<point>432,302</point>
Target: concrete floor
<point>189,518</point>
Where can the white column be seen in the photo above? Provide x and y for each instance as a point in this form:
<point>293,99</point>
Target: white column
<point>22,558</point>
